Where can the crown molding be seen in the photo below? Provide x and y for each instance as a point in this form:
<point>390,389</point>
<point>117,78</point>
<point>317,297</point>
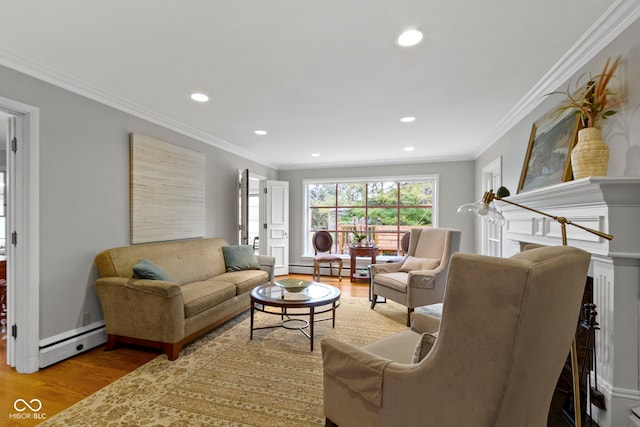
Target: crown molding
<point>611,24</point>
<point>40,71</point>
<point>382,162</point>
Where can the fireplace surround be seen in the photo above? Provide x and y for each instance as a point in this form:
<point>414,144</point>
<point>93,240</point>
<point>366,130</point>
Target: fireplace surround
<point>611,205</point>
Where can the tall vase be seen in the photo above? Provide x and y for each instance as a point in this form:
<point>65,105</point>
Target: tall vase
<point>590,156</point>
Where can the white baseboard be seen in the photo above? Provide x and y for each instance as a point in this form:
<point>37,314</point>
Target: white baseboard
<point>63,346</point>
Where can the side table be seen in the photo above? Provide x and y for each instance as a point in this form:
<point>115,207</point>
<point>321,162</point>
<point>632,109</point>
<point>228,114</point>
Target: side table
<point>361,251</point>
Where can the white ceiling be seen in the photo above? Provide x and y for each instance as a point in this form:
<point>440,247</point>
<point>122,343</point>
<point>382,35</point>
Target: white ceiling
<point>321,77</point>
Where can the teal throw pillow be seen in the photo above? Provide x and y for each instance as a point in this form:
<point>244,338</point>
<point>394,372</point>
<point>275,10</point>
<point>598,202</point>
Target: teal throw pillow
<point>240,257</point>
<point>145,269</point>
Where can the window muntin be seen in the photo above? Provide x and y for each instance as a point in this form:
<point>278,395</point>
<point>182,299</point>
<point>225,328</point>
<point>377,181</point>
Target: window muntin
<point>383,209</point>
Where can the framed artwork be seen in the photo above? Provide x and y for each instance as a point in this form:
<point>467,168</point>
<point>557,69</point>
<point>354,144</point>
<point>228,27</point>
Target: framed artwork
<point>167,194</point>
<point>548,158</point>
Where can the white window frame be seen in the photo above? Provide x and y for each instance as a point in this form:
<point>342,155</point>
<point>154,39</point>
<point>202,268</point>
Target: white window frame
<point>305,207</point>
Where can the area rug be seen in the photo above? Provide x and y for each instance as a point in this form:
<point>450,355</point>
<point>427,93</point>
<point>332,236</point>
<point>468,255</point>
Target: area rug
<point>225,379</point>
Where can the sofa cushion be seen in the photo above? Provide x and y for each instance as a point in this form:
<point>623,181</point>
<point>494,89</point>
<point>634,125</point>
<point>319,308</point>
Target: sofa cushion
<point>424,345</point>
<point>397,281</point>
<point>241,257</point>
<point>398,347</point>
<point>200,296</point>
<point>414,263</point>
<point>145,269</point>
<point>245,280</point>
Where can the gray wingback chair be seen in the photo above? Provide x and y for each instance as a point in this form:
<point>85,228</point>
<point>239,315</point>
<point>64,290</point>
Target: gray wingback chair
<point>420,278</point>
<point>492,360</point>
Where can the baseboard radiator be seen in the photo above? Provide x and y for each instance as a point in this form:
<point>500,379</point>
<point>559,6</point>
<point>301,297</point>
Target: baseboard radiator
<point>70,343</point>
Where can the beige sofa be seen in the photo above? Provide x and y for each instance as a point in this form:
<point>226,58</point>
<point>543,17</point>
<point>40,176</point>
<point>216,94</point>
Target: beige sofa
<point>169,314</point>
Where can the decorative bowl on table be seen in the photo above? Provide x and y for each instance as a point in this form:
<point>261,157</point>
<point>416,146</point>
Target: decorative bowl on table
<point>293,285</point>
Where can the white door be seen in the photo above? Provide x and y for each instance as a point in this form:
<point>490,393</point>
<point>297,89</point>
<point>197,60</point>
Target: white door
<point>275,230</point>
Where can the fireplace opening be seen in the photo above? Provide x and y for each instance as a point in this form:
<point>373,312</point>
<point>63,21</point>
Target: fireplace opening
<point>562,409</point>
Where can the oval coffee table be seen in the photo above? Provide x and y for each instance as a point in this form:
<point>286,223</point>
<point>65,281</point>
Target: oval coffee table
<point>290,294</point>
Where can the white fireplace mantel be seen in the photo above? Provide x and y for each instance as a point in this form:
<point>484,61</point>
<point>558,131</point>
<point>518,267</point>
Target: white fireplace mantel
<point>605,204</point>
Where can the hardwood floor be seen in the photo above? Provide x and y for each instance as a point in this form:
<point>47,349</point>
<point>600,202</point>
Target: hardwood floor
<point>61,385</point>
<point>65,383</point>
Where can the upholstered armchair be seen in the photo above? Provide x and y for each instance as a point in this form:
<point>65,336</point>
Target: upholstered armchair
<point>492,360</point>
<point>420,278</point>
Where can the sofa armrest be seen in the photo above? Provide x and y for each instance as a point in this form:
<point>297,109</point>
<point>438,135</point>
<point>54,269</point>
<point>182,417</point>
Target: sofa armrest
<point>422,279</point>
<point>355,368</point>
<point>140,308</point>
<point>267,263</point>
<point>155,287</point>
<point>390,267</point>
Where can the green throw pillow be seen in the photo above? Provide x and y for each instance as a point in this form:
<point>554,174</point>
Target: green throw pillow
<point>240,257</point>
<point>146,269</point>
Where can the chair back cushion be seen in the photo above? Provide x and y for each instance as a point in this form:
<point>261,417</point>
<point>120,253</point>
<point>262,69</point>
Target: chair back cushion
<point>322,241</point>
<point>414,263</point>
<point>429,242</point>
<point>185,261</point>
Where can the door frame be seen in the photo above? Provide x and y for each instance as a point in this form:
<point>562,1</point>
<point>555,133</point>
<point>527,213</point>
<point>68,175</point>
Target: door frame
<point>23,260</point>
<point>491,180</point>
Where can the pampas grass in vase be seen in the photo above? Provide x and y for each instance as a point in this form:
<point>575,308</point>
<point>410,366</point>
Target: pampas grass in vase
<point>593,102</point>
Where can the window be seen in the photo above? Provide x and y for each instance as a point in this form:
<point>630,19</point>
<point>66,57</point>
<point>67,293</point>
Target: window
<point>382,209</point>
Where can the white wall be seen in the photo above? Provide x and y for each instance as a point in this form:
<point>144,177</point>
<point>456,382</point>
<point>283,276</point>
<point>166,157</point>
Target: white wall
<point>455,188</point>
<point>84,192</point>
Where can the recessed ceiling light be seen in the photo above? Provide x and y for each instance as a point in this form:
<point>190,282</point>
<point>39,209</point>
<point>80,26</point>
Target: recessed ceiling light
<point>407,119</point>
<point>315,155</point>
<point>260,132</point>
<point>200,97</point>
<point>409,148</point>
<point>409,38</point>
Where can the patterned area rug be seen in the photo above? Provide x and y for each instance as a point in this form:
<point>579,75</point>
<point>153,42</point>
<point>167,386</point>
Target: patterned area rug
<point>224,379</point>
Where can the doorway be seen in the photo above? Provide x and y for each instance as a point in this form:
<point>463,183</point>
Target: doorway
<point>263,217</point>
<point>4,143</point>
<point>22,234</point>
<point>249,208</point>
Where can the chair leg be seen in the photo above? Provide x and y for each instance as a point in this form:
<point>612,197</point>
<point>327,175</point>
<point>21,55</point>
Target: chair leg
<point>374,300</point>
<point>340,270</point>
<point>409,311</point>
<point>329,423</point>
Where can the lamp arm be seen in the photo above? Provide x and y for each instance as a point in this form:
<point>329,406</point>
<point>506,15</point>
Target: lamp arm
<point>560,219</point>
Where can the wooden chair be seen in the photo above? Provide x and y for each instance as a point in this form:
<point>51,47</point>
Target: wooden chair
<point>322,246</point>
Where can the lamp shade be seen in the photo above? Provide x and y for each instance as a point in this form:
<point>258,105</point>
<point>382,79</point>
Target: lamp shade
<point>484,210</point>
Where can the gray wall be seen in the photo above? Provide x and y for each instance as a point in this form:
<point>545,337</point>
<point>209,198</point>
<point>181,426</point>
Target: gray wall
<point>84,192</point>
<point>84,179</point>
<point>621,132</point>
<point>455,188</point>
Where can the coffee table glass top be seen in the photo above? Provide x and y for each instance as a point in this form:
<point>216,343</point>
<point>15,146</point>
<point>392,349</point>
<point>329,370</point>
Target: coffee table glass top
<point>296,290</point>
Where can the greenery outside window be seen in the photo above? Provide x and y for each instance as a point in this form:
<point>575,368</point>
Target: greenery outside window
<point>382,209</point>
